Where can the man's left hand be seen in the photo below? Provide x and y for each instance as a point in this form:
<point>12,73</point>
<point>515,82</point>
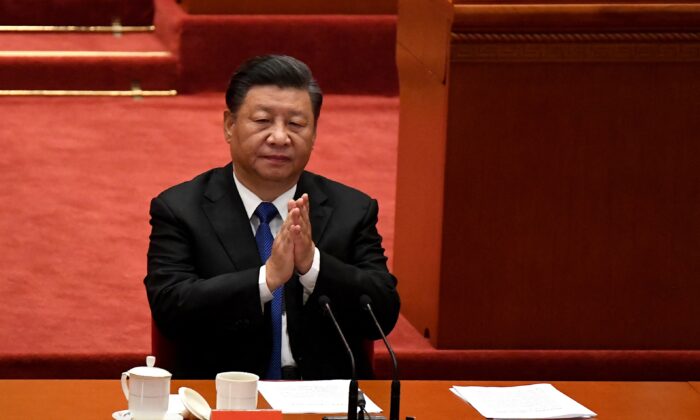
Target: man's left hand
<point>301,233</point>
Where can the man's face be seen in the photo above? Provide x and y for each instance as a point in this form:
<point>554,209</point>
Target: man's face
<point>271,137</point>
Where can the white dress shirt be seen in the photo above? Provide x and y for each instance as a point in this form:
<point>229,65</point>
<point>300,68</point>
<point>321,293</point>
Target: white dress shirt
<point>307,280</point>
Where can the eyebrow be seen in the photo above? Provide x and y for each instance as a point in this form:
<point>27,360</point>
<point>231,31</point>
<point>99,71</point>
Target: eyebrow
<point>268,109</point>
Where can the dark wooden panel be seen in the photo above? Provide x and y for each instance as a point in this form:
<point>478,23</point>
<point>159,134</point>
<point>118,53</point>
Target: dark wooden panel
<point>575,193</point>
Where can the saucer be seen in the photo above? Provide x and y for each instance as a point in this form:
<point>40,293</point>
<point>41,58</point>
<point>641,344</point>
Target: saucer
<point>125,415</point>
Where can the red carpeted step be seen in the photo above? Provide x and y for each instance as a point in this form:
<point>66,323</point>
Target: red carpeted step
<point>418,359</point>
<point>352,54</point>
<point>85,61</point>
<point>87,73</point>
<point>79,41</point>
<point>76,12</point>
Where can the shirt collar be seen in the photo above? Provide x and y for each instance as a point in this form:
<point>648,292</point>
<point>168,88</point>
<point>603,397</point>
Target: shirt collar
<point>252,201</point>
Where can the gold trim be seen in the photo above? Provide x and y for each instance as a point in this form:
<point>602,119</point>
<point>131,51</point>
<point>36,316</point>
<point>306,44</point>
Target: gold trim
<point>71,28</point>
<point>82,54</point>
<point>135,92</point>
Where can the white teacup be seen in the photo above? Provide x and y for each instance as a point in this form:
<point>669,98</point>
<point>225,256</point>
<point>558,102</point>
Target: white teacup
<point>147,389</point>
<point>236,391</point>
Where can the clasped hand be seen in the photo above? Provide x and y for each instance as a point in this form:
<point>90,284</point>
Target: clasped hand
<point>293,248</point>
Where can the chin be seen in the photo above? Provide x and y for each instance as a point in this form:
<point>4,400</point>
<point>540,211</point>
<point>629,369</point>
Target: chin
<point>278,176</point>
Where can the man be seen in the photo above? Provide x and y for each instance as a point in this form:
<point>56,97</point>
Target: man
<point>228,295</point>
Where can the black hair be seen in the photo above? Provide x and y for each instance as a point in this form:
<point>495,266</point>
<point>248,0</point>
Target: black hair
<point>273,70</point>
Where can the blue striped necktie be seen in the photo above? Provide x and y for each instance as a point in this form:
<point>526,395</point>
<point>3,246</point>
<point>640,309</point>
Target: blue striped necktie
<point>266,212</point>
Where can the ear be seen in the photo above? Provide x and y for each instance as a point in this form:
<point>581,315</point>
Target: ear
<point>229,122</point>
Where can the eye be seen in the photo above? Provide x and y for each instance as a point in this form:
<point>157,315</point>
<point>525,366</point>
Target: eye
<point>262,120</point>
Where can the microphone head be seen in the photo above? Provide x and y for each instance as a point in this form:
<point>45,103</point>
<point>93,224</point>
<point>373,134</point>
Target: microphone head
<point>365,301</point>
<point>323,300</point>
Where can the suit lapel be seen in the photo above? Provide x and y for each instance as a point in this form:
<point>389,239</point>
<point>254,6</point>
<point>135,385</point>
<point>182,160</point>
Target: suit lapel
<point>226,213</point>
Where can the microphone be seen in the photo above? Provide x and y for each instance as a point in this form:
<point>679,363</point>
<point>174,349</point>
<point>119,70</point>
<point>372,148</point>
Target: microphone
<point>324,301</point>
<point>394,408</point>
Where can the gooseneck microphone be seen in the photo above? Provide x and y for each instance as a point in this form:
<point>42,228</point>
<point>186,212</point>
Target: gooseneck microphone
<point>394,408</point>
<point>325,302</point>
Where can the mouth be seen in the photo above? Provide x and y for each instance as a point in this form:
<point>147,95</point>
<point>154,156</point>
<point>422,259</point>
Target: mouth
<point>277,158</point>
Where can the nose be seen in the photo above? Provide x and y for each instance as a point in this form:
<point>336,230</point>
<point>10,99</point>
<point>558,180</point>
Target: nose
<point>278,135</point>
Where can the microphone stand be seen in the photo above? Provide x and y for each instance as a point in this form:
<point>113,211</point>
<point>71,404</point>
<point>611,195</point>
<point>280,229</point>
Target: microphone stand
<point>324,301</point>
<point>394,408</point>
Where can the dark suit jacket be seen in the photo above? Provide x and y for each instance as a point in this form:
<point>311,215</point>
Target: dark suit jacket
<point>202,280</point>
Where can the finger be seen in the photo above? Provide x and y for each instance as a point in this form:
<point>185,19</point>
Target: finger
<point>305,214</point>
<point>302,201</point>
<point>299,204</point>
<point>297,238</point>
<point>305,203</point>
<point>280,244</point>
<point>286,233</point>
<point>305,222</point>
<point>283,229</point>
<point>295,217</point>
<point>301,243</point>
<point>303,238</point>
<point>289,220</point>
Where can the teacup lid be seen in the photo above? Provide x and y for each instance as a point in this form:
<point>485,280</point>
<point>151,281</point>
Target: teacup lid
<point>194,403</point>
<point>149,370</point>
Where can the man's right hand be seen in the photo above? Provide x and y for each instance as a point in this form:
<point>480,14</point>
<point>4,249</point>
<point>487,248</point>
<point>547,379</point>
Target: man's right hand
<point>280,266</point>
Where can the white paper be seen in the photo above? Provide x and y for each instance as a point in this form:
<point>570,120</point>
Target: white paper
<point>318,397</point>
<point>540,401</point>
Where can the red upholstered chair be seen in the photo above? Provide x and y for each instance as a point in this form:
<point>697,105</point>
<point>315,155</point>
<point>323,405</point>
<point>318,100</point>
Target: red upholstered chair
<point>368,347</point>
<point>163,349</point>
